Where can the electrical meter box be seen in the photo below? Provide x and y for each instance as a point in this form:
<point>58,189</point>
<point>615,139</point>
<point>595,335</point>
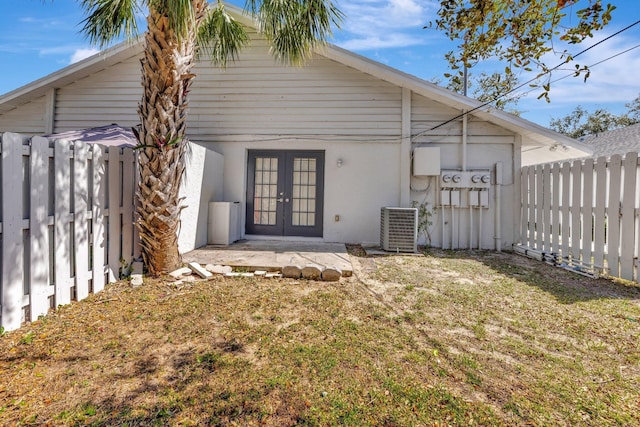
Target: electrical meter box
<point>426,161</point>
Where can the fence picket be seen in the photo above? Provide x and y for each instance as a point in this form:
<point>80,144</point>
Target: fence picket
<point>127,205</point>
<point>524,203</point>
<point>628,220</point>
<point>80,224</point>
<point>538,218</point>
<point>115,231</point>
<point>97,222</point>
<point>39,228</point>
<point>566,198</point>
<point>555,208</point>
<point>546,207</point>
<point>587,210</point>
<point>599,224</point>
<point>576,190</point>
<point>636,276</point>
<point>532,207</point>
<point>12,234</point>
<point>62,227</point>
<point>613,216</point>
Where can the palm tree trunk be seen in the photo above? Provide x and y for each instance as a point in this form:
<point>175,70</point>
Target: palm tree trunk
<point>166,78</point>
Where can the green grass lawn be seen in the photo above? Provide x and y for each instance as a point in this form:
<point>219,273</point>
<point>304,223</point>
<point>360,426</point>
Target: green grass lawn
<point>449,338</point>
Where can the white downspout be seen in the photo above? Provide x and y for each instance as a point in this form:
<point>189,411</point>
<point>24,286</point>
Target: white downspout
<point>464,140</point>
<point>498,207</point>
<point>405,149</point>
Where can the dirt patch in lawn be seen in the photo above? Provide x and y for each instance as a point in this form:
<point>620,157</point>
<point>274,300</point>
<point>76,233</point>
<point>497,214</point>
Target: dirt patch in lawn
<point>449,338</point>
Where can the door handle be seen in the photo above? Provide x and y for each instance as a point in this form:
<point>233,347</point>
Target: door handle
<point>281,199</point>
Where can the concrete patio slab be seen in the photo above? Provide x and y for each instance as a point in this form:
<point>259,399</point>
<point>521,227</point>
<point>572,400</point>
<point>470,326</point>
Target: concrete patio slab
<point>273,255</point>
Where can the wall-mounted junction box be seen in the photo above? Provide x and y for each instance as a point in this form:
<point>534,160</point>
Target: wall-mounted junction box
<point>426,161</point>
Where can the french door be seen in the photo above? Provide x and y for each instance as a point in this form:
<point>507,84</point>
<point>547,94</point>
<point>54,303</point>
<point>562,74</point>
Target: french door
<point>285,191</point>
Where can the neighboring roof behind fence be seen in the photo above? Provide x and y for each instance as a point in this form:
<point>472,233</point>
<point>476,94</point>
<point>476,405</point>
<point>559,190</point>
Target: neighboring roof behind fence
<point>618,141</point>
<point>110,135</point>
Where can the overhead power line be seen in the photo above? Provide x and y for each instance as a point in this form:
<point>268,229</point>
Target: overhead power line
<point>534,79</point>
<point>595,64</point>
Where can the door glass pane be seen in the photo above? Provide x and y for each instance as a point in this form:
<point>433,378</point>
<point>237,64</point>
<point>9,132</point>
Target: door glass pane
<point>304,191</point>
<point>265,191</point>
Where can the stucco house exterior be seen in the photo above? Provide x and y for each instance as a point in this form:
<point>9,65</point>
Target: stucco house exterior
<point>314,152</point>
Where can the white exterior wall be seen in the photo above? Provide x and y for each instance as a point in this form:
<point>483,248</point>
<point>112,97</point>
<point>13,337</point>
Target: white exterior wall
<point>203,183</point>
<point>487,144</point>
<point>27,119</point>
<point>107,97</point>
<point>367,181</point>
<point>259,99</point>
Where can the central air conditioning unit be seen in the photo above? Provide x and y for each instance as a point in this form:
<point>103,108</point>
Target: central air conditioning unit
<point>399,229</point>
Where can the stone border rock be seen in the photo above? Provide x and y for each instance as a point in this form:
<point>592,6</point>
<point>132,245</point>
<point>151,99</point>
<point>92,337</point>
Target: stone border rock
<point>309,272</point>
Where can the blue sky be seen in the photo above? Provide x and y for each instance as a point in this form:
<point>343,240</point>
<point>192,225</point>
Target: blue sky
<point>39,37</point>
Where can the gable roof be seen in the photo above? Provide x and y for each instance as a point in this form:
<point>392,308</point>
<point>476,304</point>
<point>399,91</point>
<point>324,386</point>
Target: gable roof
<point>617,141</point>
<point>536,139</point>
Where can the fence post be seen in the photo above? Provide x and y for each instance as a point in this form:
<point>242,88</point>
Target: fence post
<point>12,238</point>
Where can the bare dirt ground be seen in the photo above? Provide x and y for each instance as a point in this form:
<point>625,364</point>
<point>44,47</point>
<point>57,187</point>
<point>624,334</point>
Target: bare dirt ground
<point>448,338</point>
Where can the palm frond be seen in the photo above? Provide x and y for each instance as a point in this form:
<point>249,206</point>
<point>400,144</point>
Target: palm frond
<point>107,20</point>
<point>295,27</point>
<point>221,36</point>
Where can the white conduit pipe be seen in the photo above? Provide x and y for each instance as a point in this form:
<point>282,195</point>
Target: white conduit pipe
<point>470,225</point>
<point>442,229</point>
<point>480,229</point>
<point>464,140</point>
<point>453,223</point>
<point>498,207</point>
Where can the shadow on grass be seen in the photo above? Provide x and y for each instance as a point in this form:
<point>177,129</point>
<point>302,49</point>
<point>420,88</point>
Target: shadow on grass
<point>187,392</point>
<point>566,286</point>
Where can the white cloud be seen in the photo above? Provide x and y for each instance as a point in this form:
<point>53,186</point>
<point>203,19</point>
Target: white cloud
<point>611,84</point>
<point>612,78</point>
<point>374,24</point>
<point>376,42</point>
<point>81,54</point>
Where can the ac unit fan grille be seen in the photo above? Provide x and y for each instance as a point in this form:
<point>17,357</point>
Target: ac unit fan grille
<point>399,229</point>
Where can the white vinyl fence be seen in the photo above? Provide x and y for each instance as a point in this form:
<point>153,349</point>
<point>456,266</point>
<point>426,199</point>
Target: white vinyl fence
<point>584,214</point>
<point>66,222</point>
